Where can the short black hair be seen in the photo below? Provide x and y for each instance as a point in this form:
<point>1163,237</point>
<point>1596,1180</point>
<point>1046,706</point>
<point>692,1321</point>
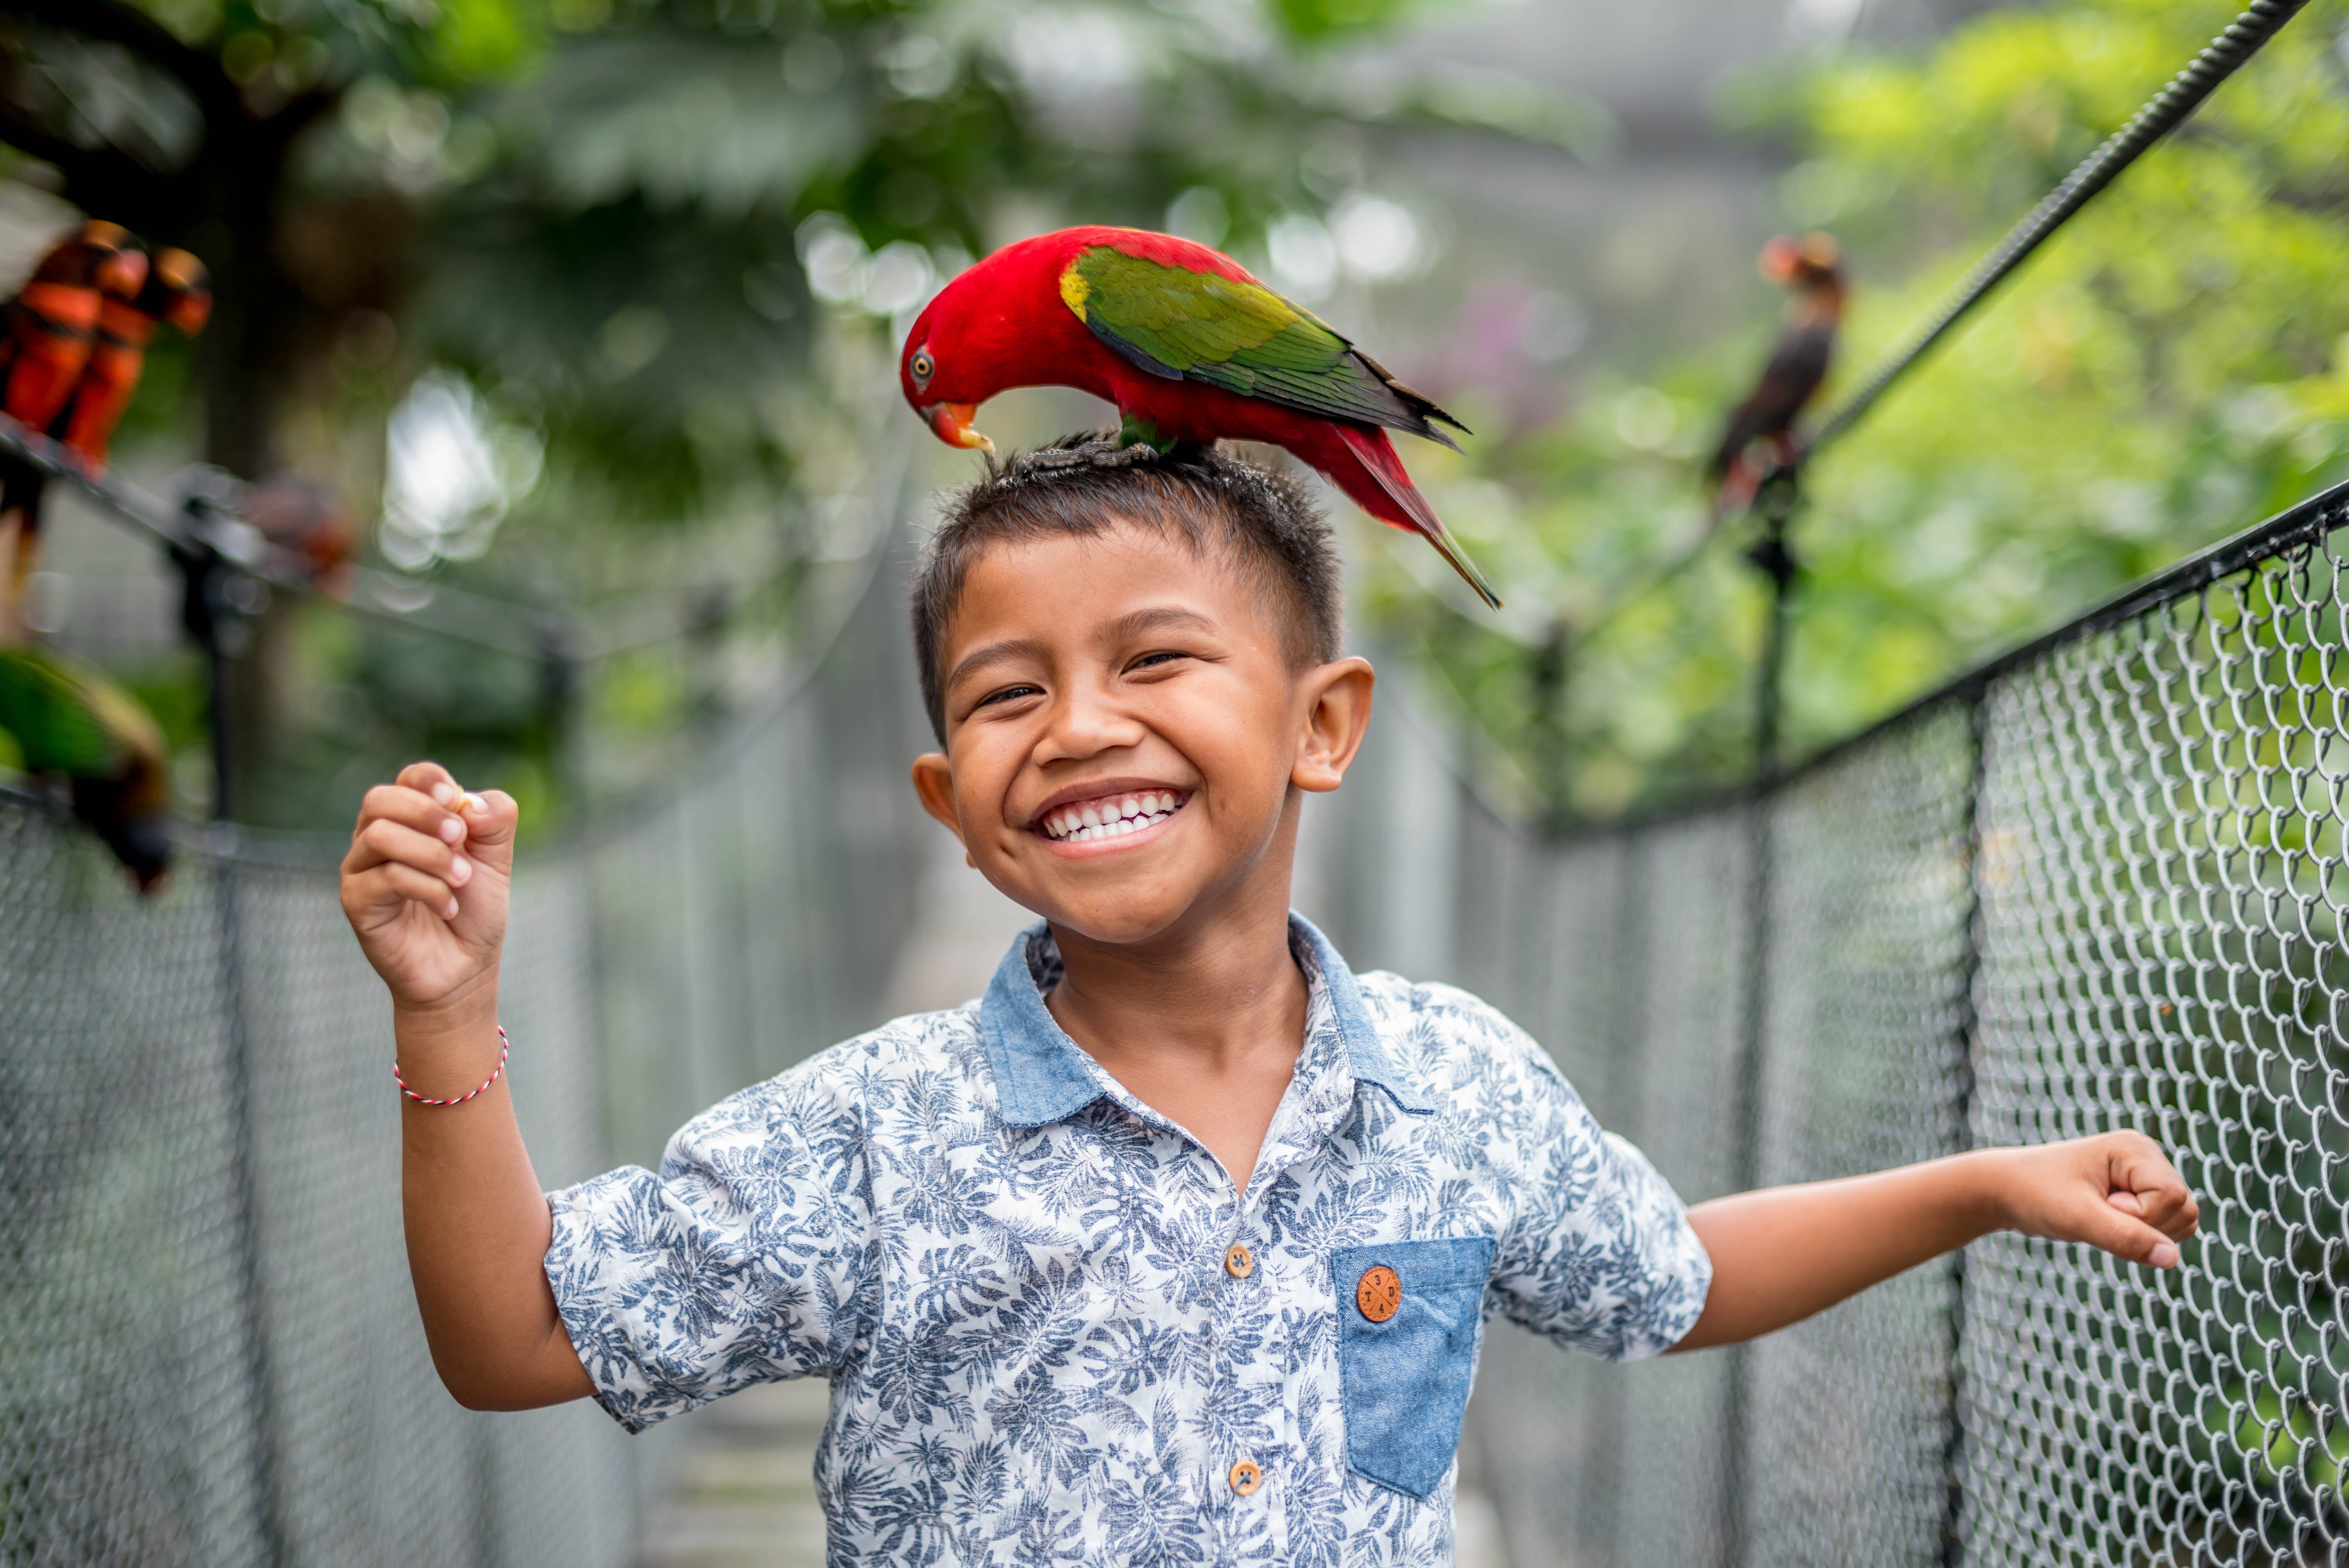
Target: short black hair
<point>1086,484</point>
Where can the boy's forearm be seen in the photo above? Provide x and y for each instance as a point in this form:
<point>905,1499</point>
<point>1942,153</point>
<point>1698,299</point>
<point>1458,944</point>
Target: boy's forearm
<point>1783,1254</point>
<point>477,1222</point>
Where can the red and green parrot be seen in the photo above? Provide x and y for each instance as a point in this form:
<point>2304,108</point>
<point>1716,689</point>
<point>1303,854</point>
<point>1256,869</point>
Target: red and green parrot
<point>72,723</point>
<point>1189,348</point>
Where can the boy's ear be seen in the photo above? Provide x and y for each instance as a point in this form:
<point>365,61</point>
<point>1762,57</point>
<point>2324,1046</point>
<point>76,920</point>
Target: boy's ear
<point>934,782</point>
<point>1337,717</point>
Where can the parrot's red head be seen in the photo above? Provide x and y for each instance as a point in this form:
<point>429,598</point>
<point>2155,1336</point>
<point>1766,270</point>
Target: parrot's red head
<point>1000,324</point>
<point>102,255</point>
<point>185,288</point>
<point>1806,263</point>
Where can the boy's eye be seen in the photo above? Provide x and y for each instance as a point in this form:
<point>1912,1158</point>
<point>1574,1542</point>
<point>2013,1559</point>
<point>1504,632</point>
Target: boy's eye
<point>1161,657</point>
<point>1008,694</point>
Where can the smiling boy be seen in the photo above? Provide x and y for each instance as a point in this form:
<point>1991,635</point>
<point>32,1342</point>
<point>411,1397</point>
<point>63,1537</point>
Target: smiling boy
<point>1176,1245</point>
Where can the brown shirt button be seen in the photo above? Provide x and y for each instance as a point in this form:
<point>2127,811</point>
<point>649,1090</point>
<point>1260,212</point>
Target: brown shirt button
<point>1239,1263</point>
<point>1247,1478</point>
<point>1379,1293</point>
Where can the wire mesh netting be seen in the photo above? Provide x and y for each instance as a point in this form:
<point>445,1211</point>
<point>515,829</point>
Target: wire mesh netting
<point>209,1350</point>
<point>2097,885</point>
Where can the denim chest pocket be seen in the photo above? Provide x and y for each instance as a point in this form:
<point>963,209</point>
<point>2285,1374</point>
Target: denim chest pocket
<point>1408,1317</point>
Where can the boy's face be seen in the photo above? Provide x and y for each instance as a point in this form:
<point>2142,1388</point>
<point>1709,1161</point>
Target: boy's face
<point>1124,730</point>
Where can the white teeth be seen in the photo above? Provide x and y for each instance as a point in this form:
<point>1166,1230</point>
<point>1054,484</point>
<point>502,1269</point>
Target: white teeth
<point>1112,818</point>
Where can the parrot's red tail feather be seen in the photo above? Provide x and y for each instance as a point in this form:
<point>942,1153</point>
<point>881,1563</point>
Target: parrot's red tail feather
<point>1377,454</point>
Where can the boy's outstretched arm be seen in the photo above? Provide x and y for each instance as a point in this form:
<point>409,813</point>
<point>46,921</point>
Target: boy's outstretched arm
<point>425,888</point>
<point>1782,1254</point>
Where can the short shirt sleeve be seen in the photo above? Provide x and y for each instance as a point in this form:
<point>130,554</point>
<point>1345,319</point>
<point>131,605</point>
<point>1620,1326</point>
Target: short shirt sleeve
<point>743,1261</point>
<point>1601,1255</point>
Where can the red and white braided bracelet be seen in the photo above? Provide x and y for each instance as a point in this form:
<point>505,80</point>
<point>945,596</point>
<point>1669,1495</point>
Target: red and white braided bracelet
<point>503,1046</point>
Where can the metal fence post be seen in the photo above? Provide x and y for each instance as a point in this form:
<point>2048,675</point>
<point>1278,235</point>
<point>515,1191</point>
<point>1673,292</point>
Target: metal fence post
<point>1775,502</point>
<point>211,618</point>
<point>1961,1135</point>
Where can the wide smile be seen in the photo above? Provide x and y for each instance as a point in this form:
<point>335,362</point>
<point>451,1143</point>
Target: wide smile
<point>1117,814</point>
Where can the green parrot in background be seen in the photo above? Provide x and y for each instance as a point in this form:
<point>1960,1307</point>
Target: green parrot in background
<point>72,723</point>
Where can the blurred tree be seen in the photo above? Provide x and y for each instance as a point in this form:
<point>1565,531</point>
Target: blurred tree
<point>2168,370</point>
<point>180,119</point>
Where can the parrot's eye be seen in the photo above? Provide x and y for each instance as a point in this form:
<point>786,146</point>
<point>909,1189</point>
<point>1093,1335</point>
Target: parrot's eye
<point>921,367</point>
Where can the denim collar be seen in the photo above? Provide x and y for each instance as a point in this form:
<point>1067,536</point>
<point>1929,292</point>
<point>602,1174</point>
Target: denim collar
<point>1041,1075</point>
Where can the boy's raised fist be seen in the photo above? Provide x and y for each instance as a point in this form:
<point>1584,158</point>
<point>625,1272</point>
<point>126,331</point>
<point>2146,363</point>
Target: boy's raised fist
<point>424,884</point>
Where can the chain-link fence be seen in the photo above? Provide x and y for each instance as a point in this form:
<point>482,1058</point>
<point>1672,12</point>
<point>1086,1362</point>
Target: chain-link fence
<point>2098,884</point>
<point>209,1351</point>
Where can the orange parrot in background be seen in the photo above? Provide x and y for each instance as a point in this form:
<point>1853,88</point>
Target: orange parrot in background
<point>175,288</point>
<point>47,330</point>
<point>46,334</point>
<point>1811,268</point>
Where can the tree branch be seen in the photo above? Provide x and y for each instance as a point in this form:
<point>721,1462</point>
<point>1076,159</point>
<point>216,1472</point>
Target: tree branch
<point>112,22</point>
<point>98,180</point>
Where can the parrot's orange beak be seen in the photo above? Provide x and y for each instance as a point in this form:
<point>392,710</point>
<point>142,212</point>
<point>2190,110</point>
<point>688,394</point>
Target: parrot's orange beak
<point>951,421</point>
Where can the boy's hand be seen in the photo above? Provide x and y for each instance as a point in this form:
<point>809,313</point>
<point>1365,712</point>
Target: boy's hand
<point>425,883</point>
<point>2118,1191</point>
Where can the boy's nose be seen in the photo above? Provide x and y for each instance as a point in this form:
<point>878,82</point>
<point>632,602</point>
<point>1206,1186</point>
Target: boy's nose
<point>1086,723</point>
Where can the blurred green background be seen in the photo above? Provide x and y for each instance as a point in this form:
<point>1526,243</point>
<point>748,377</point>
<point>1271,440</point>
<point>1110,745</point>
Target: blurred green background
<point>588,307</point>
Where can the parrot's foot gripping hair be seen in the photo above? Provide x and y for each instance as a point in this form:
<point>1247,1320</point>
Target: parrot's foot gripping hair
<point>1094,450</point>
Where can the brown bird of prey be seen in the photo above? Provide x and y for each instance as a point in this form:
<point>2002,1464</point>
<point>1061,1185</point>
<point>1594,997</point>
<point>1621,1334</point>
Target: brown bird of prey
<point>1758,434</point>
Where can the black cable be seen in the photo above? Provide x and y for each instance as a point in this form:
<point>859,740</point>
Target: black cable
<point>391,598</point>
<point>2226,54</point>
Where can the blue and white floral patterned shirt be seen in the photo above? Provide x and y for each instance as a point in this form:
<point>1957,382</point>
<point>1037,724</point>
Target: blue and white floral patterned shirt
<point>1055,1331</point>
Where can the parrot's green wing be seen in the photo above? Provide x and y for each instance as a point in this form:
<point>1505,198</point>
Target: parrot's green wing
<point>48,706</point>
<point>1239,336</point>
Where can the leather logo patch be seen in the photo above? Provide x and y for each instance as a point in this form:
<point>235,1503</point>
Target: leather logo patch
<point>1379,1293</point>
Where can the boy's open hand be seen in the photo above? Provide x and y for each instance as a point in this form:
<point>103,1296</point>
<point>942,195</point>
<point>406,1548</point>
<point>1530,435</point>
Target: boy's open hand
<point>425,883</point>
<point>2118,1191</point>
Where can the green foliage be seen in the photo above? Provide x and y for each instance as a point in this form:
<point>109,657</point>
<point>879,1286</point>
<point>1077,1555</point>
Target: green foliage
<point>278,48</point>
<point>2169,369</point>
<point>1315,20</point>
